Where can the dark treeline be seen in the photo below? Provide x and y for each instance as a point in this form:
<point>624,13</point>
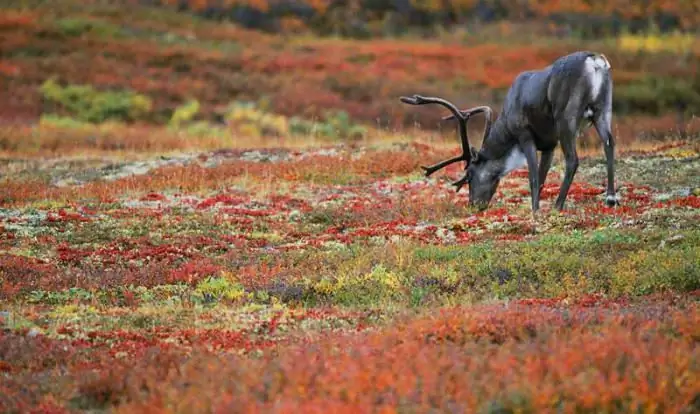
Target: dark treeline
<point>371,18</point>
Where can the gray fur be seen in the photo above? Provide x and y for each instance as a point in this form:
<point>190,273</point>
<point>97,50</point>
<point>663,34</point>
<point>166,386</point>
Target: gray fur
<point>543,108</point>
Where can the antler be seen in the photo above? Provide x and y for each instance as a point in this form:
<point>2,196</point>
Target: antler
<point>462,126</point>
<point>468,113</point>
<point>462,118</point>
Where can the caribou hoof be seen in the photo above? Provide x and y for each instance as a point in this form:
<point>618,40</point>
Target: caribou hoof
<point>611,200</point>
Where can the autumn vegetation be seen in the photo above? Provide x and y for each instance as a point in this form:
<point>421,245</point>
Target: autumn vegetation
<point>217,206</point>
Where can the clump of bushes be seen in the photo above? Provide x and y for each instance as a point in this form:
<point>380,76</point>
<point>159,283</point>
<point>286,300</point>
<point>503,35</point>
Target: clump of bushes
<point>184,119</point>
<point>378,286</point>
<point>184,113</point>
<point>335,124</point>
<point>87,104</point>
<point>222,288</point>
<point>655,43</point>
<point>646,272</point>
<point>609,262</point>
<point>254,119</point>
<point>656,95</point>
<point>76,27</point>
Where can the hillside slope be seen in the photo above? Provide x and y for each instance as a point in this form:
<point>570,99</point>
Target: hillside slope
<point>172,57</point>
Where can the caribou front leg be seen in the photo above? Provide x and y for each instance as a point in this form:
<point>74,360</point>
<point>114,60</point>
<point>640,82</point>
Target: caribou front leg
<point>530,151</point>
<point>571,166</point>
<point>545,165</point>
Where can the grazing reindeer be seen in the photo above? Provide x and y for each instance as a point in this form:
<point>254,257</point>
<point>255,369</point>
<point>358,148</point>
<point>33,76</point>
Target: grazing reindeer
<point>542,108</point>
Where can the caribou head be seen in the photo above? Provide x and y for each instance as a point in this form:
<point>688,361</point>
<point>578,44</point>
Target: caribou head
<point>482,176</point>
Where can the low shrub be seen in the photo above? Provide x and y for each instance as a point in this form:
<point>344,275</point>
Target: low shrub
<point>646,272</point>
<point>220,288</point>
<point>657,95</point>
<point>85,103</point>
<point>253,119</point>
<point>335,125</point>
<point>76,27</point>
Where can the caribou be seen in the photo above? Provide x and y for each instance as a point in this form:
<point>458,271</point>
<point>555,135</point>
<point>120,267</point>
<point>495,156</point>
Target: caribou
<point>542,108</point>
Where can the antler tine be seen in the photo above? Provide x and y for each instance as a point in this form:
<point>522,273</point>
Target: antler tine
<point>468,113</point>
<point>462,127</point>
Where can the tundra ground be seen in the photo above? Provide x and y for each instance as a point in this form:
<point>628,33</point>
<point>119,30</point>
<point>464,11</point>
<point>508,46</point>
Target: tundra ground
<point>339,278</point>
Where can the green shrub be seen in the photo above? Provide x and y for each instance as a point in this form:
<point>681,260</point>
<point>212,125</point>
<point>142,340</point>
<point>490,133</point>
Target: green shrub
<point>184,113</point>
<point>378,286</point>
<point>184,120</point>
<point>218,289</point>
<point>76,27</point>
<point>656,95</point>
<point>62,122</point>
<point>85,103</point>
<point>644,272</point>
<point>253,119</point>
<point>335,125</point>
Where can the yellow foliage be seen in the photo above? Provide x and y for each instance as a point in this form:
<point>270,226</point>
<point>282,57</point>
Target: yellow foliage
<point>660,270</point>
<point>252,120</point>
<point>185,113</point>
<point>440,5</point>
<point>225,286</point>
<point>680,153</point>
<point>325,286</point>
<point>676,43</point>
<point>384,277</point>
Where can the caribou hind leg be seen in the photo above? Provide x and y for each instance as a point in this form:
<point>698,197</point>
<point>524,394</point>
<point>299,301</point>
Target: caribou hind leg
<point>601,122</point>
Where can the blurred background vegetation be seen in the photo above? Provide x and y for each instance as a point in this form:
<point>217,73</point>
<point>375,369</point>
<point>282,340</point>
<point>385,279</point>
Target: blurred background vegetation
<point>328,68</point>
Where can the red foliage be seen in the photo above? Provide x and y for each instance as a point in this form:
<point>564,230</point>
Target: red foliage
<point>549,352</point>
<point>691,201</point>
<point>21,274</point>
<point>224,199</point>
<point>193,271</point>
<point>153,197</point>
<point>361,77</point>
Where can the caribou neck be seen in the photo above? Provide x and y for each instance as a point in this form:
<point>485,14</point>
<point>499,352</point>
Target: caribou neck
<point>498,142</point>
<point>500,153</point>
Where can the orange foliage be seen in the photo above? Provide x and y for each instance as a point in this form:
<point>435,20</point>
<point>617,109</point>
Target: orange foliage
<point>364,78</point>
<point>316,168</point>
<point>686,10</point>
<point>523,357</point>
<point>47,139</point>
<point>14,20</point>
